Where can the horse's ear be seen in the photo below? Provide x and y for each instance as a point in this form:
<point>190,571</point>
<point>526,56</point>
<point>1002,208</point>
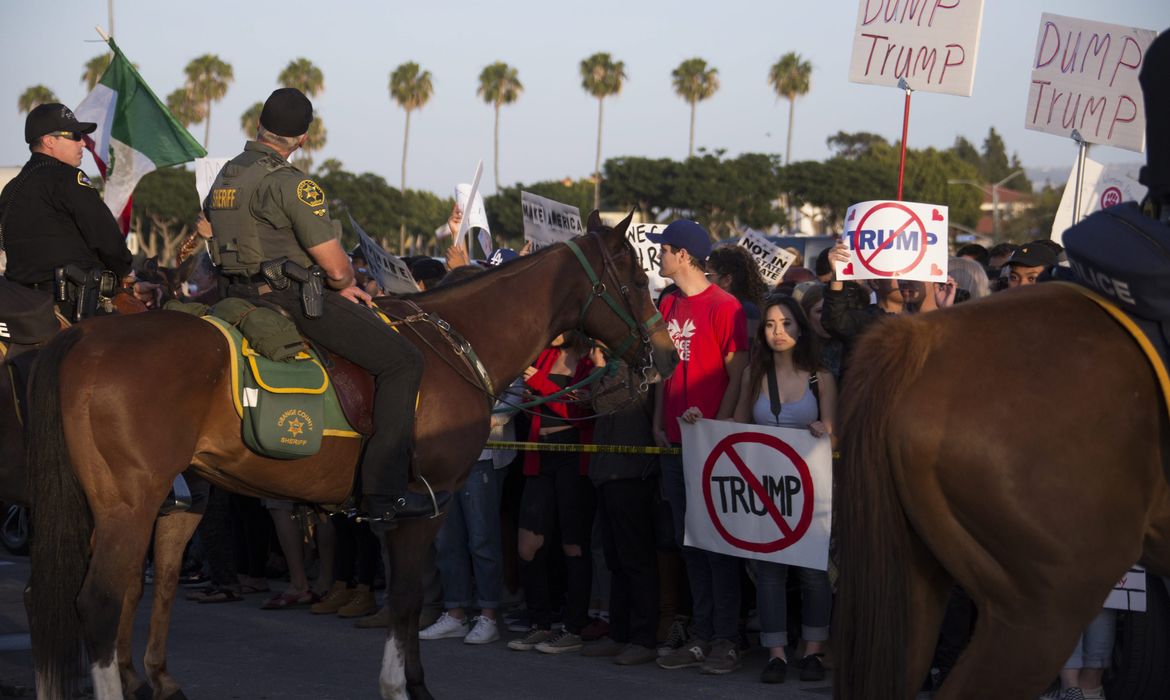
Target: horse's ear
<point>594,221</point>
<point>624,223</point>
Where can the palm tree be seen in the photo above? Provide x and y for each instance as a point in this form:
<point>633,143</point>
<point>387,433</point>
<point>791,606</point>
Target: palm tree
<point>499,84</point>
<point>314,142</point>
<point>208,78</point>
<point>601,77</point>
<point>34,97</point>
<point>304,76</point>
<point>411,88</point>
<point>250,119</point>
<point>694,82</point>
<point>790,79</point>
<point>94,68</point>
<point>184,107</point>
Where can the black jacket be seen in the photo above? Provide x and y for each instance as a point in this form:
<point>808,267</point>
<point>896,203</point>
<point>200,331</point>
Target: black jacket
<point>626,418</point>
<point>57,218</point>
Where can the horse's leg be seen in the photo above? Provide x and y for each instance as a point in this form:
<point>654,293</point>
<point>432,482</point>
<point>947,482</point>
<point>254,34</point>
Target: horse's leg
<point>402,672</point>
<point>133,685</point>
<point>170,539</point>
<point>929,587</point>
<point>118,549</point>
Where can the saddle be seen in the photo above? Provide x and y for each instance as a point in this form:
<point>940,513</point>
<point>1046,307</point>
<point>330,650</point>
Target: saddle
<point>28,320</point>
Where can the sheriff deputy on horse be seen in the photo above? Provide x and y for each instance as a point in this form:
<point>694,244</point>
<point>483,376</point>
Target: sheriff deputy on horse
<point>273,237</point>
<point>59,235</point>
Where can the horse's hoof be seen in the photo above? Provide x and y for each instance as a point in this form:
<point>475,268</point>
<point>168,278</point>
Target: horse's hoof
<point>419,692</point>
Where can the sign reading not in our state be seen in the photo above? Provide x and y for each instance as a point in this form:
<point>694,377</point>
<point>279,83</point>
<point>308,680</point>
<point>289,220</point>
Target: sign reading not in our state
<point>888,239</point>
<point>772,260</point>
<point>547,221</point>
<point>1085,77</point>
<point>758,491</point>
<point>930,43</point>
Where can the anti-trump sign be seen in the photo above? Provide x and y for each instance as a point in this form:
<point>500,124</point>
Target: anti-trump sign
<point>888,239</point>
<point>772,260</point>
<point>1085,77</point>
<point>648,253</point>
<point>758,491</point>
<point>392,274</point>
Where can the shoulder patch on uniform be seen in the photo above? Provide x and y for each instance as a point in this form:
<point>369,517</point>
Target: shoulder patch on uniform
<point>84,181</point>
<point>310,193</point>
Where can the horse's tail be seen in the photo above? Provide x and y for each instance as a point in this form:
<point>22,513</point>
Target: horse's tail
<point>872,531</point>
<point>61,526</point>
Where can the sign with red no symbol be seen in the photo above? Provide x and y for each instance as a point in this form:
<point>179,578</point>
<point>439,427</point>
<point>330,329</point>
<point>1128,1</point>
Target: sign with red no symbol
<point>903,240</point>
<point>758,491</point>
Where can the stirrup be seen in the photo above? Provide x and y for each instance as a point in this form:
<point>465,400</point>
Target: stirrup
<point>431,493</point>
<point>179,498</point>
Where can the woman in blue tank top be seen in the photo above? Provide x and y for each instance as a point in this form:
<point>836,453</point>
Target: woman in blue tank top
<point>785,363</point>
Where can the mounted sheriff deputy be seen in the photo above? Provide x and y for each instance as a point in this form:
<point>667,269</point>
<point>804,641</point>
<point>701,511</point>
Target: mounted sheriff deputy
<point>59,235</point>
<point>272,237</point>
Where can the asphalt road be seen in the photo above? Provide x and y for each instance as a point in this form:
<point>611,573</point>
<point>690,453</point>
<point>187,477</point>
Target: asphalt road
<point>235,650</point>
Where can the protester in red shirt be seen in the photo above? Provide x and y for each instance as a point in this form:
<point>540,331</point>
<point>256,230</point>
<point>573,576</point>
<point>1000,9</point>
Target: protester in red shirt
<point>709,329</point>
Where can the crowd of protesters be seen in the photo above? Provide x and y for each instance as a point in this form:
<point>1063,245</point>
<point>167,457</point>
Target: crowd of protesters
<point>573,552</point>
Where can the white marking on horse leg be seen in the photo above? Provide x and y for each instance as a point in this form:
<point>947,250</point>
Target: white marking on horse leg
<point>107,683</point>
<point>393,677</point>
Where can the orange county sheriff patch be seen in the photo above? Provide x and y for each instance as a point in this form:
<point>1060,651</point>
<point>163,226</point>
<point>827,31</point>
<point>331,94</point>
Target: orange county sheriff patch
<point>84,181</point>
<point>310,193</point>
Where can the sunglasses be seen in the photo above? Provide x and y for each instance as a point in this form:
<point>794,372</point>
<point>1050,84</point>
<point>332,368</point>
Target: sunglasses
<point>72,136</point>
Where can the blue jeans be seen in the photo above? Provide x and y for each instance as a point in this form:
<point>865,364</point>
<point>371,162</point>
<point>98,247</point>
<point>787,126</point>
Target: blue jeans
<point>816,598</point>
<point>1095,646</point>
<point>470,541</point>
<point>714,578</point>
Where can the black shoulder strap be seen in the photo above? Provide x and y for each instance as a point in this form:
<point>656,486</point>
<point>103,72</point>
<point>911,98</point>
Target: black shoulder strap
<point>815,387</point>
<point>774,394</point>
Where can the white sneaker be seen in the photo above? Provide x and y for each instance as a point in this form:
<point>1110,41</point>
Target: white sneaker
<point>485,631</point>
<point>445,627</point>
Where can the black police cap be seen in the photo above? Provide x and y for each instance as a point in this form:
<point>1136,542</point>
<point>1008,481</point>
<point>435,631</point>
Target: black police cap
<point>287,112</point>
<point>51,117</point>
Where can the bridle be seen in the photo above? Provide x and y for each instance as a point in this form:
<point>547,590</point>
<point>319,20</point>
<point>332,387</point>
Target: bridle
<point>638,332</point>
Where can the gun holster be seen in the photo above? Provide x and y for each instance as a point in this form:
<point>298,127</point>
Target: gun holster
<point>310,281</point>
<point>78,287</point>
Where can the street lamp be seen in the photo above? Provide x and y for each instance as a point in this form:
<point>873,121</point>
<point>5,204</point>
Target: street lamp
<point>994,192</point>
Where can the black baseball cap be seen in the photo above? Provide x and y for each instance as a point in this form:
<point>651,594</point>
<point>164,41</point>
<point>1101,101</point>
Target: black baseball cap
<point>51,117</point>
<point>287,112</point>
<point>1034,254</point>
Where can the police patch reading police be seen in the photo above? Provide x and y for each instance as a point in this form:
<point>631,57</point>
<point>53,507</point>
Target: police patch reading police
<point>904,240</point>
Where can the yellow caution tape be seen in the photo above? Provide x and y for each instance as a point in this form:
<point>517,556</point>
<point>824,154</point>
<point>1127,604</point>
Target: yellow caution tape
<point>561,447</point>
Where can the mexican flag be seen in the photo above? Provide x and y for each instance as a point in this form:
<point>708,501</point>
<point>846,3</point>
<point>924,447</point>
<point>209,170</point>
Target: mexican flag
<point>135,133</point>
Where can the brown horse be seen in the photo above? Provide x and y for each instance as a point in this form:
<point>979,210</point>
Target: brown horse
<point>1035,494</point>
<point>103,453</point>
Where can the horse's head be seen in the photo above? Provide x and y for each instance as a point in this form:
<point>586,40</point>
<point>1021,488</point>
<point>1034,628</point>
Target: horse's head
<point>619,311</point>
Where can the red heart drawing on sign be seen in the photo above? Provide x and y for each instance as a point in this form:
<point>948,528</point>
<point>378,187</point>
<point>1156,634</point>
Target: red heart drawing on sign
<point>847,270</point>
<point>852,215</point>
<point>935,270</point>
<point>936,216</point>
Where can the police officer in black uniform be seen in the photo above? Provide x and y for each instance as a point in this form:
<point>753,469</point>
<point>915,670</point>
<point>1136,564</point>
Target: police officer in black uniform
<point>271,228</point>
<point>51,216</point>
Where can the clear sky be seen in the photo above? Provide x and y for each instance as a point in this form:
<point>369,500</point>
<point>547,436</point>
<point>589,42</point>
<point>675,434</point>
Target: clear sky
<point>550,132</point>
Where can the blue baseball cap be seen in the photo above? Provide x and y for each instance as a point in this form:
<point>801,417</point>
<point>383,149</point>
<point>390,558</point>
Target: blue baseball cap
<point>501,256</point>
<point>685,234</point>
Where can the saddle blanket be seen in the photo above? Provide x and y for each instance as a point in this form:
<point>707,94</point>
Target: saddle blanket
<point>286,407</point>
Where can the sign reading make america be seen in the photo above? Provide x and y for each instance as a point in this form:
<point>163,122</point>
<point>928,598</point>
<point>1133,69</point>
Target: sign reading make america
<point>759,492</point>
<point>547,221</point>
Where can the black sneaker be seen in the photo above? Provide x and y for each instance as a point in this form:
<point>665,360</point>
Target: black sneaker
<point>811,668</point>
<point>775,671</point>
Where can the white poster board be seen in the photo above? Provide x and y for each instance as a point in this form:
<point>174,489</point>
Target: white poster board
<point>889,239</point>
<point>1085,77</point>
<point>648,255</point>
<point>392,274</point>
<point>759,492</point>
<point>1130,591</point>
<point>931,44</point>
<point>206,170</point>
<point>773,260</point>
<point>547,221</point>
<point>1103,186</point>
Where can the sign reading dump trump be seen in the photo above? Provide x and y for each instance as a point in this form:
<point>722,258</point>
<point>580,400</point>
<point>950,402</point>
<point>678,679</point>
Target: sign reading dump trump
<point>547,221</point>
<point>930,43</point>
<point>1085,77</point>
<point>758,491</point>
<point>904,240</point>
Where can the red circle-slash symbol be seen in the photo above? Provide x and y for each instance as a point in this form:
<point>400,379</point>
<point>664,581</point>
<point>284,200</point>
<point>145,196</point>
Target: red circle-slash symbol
<point>890,239</point>
<point>789,535</point>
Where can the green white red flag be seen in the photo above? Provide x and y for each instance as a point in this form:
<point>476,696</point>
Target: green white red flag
<point>135,133</point>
